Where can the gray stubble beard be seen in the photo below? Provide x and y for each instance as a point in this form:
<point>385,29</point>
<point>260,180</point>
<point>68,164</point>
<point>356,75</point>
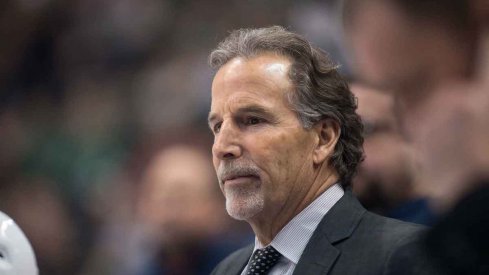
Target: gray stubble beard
<point>244,202</point>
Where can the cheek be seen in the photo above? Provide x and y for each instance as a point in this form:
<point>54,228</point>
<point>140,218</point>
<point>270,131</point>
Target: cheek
<point>215,159</point>
<point>282,154</point>
<point>269,153</point>
<point>215,162</point>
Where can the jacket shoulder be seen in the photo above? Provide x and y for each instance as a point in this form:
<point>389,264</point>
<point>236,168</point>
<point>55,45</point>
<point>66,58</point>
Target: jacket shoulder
<point>380,245</point>
<point>403,243</point>
<point>387,236</point>
<point>391,226</point>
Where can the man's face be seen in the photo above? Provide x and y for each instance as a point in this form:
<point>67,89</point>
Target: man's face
<point>383,45</point>
<point>261,152</point>
<point>385,175</point>
<point>402,54</point>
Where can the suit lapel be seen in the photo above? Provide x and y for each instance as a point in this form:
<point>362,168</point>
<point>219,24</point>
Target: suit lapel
<point>338,224</point>
<point>318,257</point>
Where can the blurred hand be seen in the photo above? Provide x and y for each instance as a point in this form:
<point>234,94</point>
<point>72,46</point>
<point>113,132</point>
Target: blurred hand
<point>451,133</point>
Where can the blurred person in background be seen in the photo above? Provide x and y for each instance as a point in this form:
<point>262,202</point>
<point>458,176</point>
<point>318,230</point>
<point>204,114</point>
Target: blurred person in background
<point>433,55</point>
<point>386,180</point>
<point>181,214</point>
<point>407,47</point>
<point>168,217</point>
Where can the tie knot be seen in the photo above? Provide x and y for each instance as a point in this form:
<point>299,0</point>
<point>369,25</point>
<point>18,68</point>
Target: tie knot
<point>263,260</point>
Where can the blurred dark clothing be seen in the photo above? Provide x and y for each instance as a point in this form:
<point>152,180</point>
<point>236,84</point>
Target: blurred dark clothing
<point>415,211</point>
<point>459,243</point>
<point>195,258</point>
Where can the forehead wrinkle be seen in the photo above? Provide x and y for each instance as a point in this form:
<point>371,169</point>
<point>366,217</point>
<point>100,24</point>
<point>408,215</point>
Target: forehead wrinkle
<point>254,97</point>
<point>247,91</point>
<point>262,68</point>
<point>238,105</point>
<point>246,81</point>
<point>256,84</point>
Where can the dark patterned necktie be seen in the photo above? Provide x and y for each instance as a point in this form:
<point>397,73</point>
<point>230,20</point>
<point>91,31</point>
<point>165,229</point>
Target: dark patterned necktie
<point>263,260</point>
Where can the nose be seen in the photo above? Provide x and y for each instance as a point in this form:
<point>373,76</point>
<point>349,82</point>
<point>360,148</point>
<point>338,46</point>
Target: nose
<point>227,143</point>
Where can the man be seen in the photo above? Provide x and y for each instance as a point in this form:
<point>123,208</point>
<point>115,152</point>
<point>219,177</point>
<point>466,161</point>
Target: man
<point>386,182</point>
<point>434,56</point>
<point>287,142</point>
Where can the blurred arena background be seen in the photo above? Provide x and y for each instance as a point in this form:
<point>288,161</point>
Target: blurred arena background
<point>105,153</point>
<point>104,147</point>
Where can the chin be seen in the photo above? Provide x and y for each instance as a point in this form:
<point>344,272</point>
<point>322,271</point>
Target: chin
<point>244,206</point>
<point>241,213</point>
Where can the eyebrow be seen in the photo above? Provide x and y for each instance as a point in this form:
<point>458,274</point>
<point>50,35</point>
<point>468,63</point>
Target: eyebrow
<point>255,109</point>
<point>211,118</point>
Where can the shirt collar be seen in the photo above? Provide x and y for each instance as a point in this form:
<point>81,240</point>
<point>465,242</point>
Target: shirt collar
<point>294,236</point>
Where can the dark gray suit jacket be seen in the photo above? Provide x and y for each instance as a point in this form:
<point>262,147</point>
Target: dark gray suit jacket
<point>351,240</point>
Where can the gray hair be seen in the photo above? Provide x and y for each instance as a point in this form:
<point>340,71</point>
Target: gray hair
<point>320,91</point>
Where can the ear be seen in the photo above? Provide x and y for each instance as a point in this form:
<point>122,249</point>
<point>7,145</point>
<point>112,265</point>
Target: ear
<point>328,132</point>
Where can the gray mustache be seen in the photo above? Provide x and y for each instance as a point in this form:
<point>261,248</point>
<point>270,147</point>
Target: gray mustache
<point>228,170</point>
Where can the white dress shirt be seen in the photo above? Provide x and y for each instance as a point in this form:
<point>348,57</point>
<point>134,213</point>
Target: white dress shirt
<point>293,238</point>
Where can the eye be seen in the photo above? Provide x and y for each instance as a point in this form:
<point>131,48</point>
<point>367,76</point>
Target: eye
<point>217,127</point>
<point>252,121</point>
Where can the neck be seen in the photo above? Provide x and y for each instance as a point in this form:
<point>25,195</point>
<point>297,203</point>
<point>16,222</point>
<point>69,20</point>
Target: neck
<point>266,227</point>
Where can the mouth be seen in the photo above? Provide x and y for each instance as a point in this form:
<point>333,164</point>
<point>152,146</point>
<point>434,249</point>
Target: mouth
<point>241,179</point>
<point>238,174</point>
